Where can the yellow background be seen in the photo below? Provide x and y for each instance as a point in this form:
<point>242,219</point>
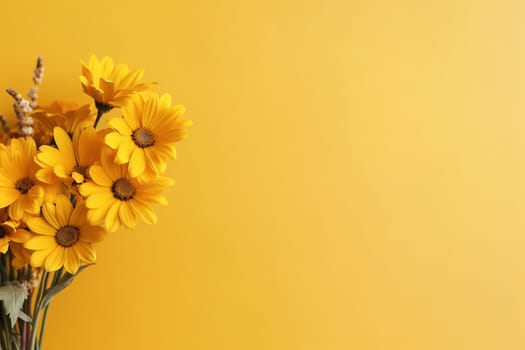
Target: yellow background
<point>354,179</point>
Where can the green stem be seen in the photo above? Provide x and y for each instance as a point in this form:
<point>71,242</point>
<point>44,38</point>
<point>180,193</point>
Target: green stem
<point>3,271</point>
<point>11,269</point>
<point>7,325</point>
<point>43,326</point>
<point>56,277</point>
<point>34,327</point>
<point>5,329</point>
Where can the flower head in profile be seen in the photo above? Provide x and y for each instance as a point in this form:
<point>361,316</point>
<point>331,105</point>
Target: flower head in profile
<point>146,134</point>
<point>68,116</point>
<point>10,232</point>
<point>110,85</point>
<point>69,161</point>
<point>63,238</point>
<point>21,255</point>
<point>19,188</point>
<point>118,199</point>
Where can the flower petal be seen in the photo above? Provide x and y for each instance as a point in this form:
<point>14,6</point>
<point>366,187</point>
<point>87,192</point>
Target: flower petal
<point>40,226</point>
<point>55,259</point>
<point>71,260</point>
<point>86,252</point>
<point>63,210</point>
<point>128,217</point>
<point>137,163</point>
<point>38,257</point>
<point>99,176</point>
<point>92,234</point>
<point>41,243</point>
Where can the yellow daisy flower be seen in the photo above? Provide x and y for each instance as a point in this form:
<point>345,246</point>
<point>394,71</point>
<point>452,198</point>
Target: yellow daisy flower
<point>9,232</point>
<point>19,189</point>
<point>68,116</point>
<point>146,134</point>
<point>64,238</point>
<point>116,198</point>
<point>110,85</point>
<point>71,158</point>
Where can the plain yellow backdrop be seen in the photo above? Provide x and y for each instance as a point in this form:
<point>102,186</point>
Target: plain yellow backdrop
<point>354,179</point>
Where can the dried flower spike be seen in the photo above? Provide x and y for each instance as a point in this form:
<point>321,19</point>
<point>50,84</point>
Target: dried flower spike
<point>37,80</point>
<point>23,110</point>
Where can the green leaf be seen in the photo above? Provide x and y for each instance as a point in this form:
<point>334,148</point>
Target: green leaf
<point>61,285</point>
<point>13,295</point>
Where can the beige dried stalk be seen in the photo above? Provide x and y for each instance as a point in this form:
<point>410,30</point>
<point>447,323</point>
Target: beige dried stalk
<point>22,108</point>
<point>38,76</point>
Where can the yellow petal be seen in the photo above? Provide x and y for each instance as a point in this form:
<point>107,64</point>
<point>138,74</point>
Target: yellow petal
<point>63,210</point>
<point>65,145</point>
<point>144,211</point>
<point>120,125</point>
<point>47,176</point>
<point>49,212</point>
<point>89,188</point>
<point>127,216</point>
<point>100,200</point>
<point>78,216</point>
<point>71,261</point>
<point>77,177</point>
<point>16,210</point>
<point>40,226</point>
<point>55,259</point>
<point>96,216</point>
<point>34,199</point>
<point>114,139</point>
<point>4,246</point>
<point>112,222</point>
<point>8,196</point>
<point>20,236</point>
<point>99,176</point>
<point>38,257</point>
<point>124,151</point>
<point>137,163</point>
<point>40,243</point>
<point>86,252</point>
<point>92,234</point>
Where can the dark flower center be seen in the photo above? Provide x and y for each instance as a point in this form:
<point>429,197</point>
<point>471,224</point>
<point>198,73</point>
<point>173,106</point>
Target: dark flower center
<point>24,184</point>
<point>143,137</point>
<point>123,189</point>
<point>3,231</point>
<point>67,236</point>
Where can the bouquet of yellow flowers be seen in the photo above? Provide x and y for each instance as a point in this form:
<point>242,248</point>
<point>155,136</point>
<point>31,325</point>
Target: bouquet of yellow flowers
<point>67,180</point>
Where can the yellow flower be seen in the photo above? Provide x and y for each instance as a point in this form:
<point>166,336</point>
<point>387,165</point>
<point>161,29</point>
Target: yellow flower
<point>19,189</point>
<point>70,159</point>
<point>64,238</point>
<point>116,198</point>
<point>68,116</point>
<point>110,85</point>
<point>146,134</point>
<point>9,232</point>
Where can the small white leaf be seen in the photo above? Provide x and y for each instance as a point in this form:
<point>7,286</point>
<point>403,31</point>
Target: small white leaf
<point>13,295</point>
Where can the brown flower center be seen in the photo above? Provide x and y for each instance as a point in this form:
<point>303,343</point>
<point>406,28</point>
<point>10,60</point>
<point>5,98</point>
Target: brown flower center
<point>123,189</point>
<point>3,231</point>
<point>67,235</point>
<point>143,137</point>
<point>24,184</point>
